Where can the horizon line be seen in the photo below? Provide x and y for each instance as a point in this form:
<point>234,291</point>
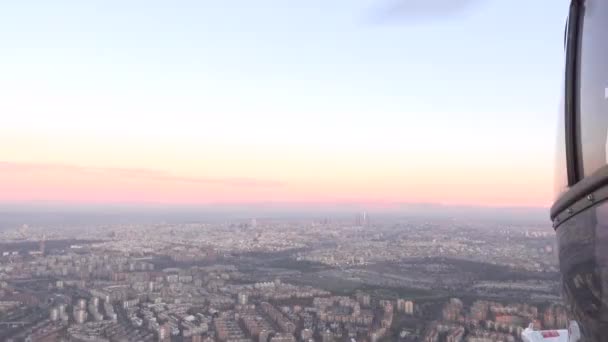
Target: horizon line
<point>364,205</point>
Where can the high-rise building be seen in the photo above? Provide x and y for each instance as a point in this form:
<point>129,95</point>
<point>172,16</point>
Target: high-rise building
<point>409,307</point>
<point>364,299</point>
<point>54,315</point>
<point>80,316</point>
<point>362,219</point>
<point>82,304</point>
<point>306,334</point>
<point>23,231</point>
<point>164,332</point>
<point>42,246</point>
<point>242,299</point>
<point>264,335</point>
<point>400,304</point>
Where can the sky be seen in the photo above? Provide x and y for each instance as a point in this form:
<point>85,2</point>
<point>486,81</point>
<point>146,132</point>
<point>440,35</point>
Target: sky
<point>319,101</point>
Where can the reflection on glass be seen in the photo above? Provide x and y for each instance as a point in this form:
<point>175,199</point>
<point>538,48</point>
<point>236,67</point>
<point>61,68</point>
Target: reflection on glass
<point>561,171</point>
<point>593,81</point>
<point>583,260</point>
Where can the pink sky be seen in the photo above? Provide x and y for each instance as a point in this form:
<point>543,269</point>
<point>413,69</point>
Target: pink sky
<point>176,164</point>
<point>215,102</point>
<point>22,182</point>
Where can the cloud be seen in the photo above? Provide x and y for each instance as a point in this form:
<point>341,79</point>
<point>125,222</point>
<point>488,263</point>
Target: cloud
<point>416,10</point>
<point>134,173</point>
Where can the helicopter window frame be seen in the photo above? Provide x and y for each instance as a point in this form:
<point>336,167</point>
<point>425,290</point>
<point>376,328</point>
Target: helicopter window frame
<point>592,130</point>
<point>572,81</point>
<point>571,129</point>
<point>592,189</point>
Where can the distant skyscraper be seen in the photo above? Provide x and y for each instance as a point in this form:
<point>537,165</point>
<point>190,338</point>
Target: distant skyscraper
<point>80,316</point>
<point>43,244</point>
<point>164,332</point>
<point>362,219</point>
<point>409,307</point>
<point>54,314</point>
<point>254,223</point>
<point>23,231</point>
<point>242,299</point>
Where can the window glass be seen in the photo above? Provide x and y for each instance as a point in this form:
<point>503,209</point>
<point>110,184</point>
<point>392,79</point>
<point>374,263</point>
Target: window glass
<point>583,261</point>
<point>593,86</point>
<point>561,170</point>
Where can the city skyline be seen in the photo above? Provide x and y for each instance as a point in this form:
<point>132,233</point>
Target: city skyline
<point>279,280</point>
<point>324,102</point>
